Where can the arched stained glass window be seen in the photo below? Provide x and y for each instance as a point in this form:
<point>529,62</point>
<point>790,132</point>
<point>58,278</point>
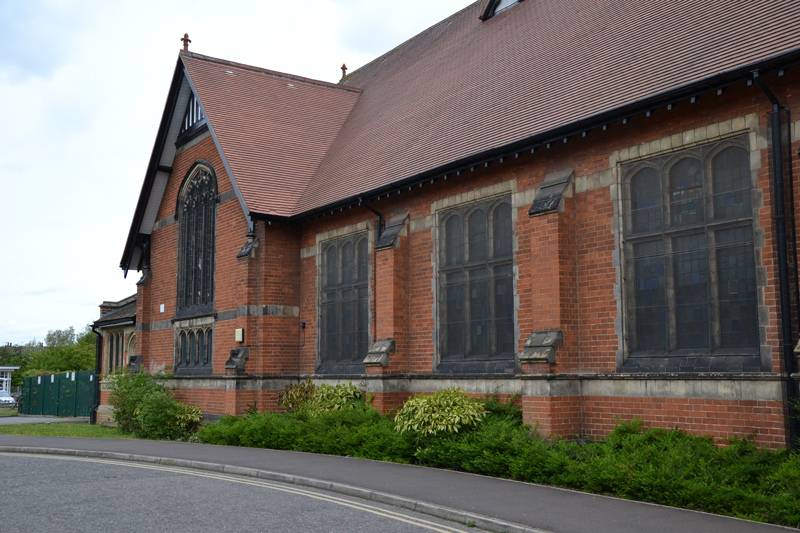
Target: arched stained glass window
<point>690,279</point>
<point>197,209</point>
<point>197,218</point>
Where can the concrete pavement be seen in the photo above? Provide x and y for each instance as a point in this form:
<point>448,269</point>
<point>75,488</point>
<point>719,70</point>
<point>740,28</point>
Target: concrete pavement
<point>491,503</point>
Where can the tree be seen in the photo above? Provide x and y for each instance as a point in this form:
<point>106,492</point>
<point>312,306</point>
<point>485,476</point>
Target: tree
<point>61,337</point>
<point>19,355</point>
<point>65,352</point>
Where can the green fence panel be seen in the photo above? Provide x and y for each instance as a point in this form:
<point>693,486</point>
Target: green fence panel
<point>50,394</point>
<point>63,394</point>
<point>32,397</point>
<point>25,397</point>
<point>85,383</point>
<point>66,394</point>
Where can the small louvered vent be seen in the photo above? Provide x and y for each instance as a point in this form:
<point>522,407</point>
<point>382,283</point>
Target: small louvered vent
<point>194,115</point>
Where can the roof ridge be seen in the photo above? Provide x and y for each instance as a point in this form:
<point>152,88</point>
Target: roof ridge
<point>415,37</point>
<point>268,72</point>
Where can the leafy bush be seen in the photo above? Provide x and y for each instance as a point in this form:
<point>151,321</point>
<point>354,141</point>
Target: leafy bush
<point>333,398</point>
<point>445,410</point>
<point>127,392</point>
<point>159,416</point>
<point>144,407</point>
<point>293,396</point>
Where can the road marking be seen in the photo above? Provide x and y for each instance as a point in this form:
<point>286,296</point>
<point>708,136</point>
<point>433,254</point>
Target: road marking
<point>263,484</point>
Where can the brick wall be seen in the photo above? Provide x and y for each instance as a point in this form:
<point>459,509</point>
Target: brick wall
<point>565,261</point>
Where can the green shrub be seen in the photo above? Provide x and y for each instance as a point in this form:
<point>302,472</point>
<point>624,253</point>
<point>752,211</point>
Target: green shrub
<point>445,410</point>
<point>144,407</point>
<point>333,398</point>
<point>293,396</point>
<point>159,416</point>
<point>127,392</point>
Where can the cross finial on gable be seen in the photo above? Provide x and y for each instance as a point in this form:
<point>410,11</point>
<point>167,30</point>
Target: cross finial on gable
<point>186,42</point>
<point>344,70</point>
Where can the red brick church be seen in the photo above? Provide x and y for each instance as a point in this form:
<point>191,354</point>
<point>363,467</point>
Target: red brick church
<point>587,203</point>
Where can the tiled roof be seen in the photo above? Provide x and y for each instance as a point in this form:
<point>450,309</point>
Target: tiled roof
<point>465,86</point>
<point>124,314</point>
<point>273,128</point>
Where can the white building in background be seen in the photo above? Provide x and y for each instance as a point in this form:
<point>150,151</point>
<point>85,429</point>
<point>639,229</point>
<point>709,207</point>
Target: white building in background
<point>5,377</point>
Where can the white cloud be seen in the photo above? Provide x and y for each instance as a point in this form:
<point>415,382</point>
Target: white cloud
<point>82,88</point>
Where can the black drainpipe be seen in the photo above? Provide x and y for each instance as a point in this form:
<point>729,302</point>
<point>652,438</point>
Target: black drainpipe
<point>98,359</point>
<point>783,260</point>
<point>378,230</point>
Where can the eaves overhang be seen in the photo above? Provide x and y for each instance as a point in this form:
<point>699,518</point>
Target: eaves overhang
<point>150,175</point>
<point>565,131</point>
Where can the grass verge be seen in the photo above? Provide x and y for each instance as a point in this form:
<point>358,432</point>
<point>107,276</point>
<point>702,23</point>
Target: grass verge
<point>6,411</point>
<point>668,467</point>
<point>64,429</point>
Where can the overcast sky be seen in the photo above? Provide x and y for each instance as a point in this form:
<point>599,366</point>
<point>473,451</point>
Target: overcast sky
<point>82,89</point>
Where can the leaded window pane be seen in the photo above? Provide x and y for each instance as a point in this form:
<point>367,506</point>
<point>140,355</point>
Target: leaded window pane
<point>476,293</point>
<point>651,302</point>
<point>184,349</point>
<point>454,323</point>
<point>503,232</point>
<point>731,170</point>
<point>737,287</point>
<point>209,347</point>
<point>646,201</point>
<point>454,241</point>
<point>201,348</point>
<point>362,259</point>
<point>504,308</point>
<point>691,291</point>
<point>347,263</point>
<point>192,349</point>
<point>477,236</point>
<point>344,306</point>
<point>479,311</point>
<point>686,192</point>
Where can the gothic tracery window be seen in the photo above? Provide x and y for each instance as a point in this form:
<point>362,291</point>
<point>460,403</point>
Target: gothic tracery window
<point>196,247</point>
<point>344,300</point>
<point>197,217</point>
<point>476,288</point>
<point>691,265</point>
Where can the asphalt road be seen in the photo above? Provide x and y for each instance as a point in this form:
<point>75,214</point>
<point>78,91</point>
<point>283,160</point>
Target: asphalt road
<point>56,493</point>
<point>488,500</point>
